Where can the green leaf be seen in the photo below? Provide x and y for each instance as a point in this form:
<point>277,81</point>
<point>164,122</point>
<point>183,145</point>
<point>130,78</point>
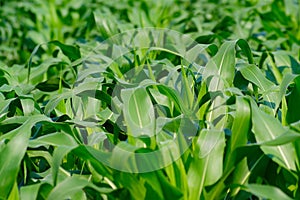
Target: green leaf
<point>131,182</point>
<point>28,106</point>
<point>293,102</point>
<point>29,192</point>
<point>170,192</point>
<point>219,75</point>
<point>10,161</point>
<point>14,194</point>
<point>153,181</point>
<point>54,139</point>
<point>138,112</point>
<point>55,100</point>
<point>267,128</point>
<point>174,97</point>
<point>239,130</point>
<point>221,67</point>
<point>11,157</point>
<point>58,155</point>
<point>187,89</point>
<point>207,165</point>
<point>286,81</point>
<point>243,44</point>
<point>269,89</point>
<point>67,188</point>
<point>266,191</point>
<point>72,52</point>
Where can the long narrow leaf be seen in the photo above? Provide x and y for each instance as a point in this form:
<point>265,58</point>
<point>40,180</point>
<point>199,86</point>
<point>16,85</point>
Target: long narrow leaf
<point>267,128</point>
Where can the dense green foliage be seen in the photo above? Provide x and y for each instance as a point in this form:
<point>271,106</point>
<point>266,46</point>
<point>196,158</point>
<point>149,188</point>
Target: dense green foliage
<point>74,101</point>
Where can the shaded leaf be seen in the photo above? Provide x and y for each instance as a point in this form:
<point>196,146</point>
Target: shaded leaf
<point>72,52</point>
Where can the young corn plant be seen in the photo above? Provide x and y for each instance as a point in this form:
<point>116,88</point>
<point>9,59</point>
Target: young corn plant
<point>90,110</point>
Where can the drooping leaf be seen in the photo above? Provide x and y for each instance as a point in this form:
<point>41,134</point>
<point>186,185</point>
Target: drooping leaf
<point>67,188</point>
<point>269,89</point>
<point>55,139</point>
<point>267,128</point>
<point>267,191</point>
<point>72,52</point>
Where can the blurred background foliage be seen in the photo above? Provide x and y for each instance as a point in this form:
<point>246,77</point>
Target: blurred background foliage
<point>266,25</point>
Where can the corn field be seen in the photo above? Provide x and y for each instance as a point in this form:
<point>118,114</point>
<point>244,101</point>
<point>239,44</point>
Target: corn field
<point>171,99</point>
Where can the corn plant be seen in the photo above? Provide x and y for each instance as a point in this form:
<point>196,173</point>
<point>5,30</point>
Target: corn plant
<point>149,100</point>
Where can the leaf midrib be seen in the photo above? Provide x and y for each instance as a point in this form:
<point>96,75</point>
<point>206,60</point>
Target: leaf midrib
<point>273,137</point>
<point>138,111</point>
